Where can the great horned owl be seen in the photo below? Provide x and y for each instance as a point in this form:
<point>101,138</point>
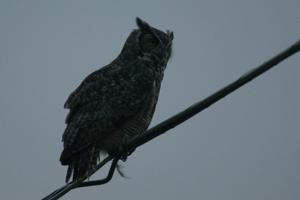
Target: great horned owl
<point>116,102</point>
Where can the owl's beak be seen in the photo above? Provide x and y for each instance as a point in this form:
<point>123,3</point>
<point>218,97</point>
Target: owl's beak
<point>170,34</point>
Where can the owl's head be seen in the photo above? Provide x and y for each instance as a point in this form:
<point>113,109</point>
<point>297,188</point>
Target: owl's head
<point>148,43</point>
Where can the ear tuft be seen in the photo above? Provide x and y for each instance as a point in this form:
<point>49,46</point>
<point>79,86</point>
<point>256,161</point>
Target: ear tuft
<point>143,26</point>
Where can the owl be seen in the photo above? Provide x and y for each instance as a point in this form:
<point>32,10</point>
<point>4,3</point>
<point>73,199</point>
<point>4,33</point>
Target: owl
<point>115,103</point>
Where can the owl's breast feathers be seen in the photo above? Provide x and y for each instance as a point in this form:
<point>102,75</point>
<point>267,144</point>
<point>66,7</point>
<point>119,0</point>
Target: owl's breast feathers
<point>113,102</point>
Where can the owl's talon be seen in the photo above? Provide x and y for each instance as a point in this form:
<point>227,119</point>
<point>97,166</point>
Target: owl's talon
<point>126,154</point>
<point>123,158</point>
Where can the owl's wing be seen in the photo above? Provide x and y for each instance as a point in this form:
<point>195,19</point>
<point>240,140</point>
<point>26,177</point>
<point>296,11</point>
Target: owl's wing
<point>85,92</point>
<point>105,100</point>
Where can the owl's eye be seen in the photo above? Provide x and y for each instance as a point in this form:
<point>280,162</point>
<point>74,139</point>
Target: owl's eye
<point>148,42</point>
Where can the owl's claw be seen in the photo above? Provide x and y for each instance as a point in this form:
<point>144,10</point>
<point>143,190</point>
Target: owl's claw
<point>122,153</point>
<point>126,154</point>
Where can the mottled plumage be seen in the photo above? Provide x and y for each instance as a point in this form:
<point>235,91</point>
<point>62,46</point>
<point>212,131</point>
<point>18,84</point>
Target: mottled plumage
<point>116,102</point>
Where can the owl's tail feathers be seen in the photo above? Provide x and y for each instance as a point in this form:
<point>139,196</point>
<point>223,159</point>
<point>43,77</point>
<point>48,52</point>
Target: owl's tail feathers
<point>80,163</point>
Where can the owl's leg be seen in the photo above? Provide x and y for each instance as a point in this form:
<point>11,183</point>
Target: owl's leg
<point>121,150</point>
<point>126,151</point>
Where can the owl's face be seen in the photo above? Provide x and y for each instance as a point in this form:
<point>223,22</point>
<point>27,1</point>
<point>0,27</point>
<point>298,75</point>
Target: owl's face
<point>153,41</point>
<point>148,43</point>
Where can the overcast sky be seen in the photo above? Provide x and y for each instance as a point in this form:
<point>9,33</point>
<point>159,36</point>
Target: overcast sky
<point>245,147</point>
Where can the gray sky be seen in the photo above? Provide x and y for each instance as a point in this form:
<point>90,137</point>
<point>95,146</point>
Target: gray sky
<point>244,147</point>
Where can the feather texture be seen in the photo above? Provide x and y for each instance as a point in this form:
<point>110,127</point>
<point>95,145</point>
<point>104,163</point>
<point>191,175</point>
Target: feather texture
<point>113,104</point>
